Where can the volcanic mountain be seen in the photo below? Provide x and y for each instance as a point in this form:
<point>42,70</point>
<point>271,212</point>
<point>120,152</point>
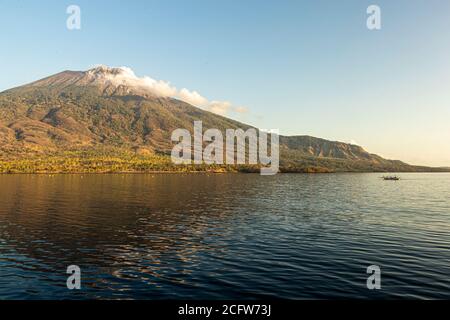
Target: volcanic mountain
<point>68,121</point>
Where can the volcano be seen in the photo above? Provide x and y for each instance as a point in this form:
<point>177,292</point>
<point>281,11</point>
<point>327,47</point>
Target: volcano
<point>66,122</point>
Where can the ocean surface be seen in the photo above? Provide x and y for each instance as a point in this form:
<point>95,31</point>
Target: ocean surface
<point>231,236</point>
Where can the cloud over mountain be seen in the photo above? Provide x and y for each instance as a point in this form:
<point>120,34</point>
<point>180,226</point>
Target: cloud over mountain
<point>124,76</point>
<point>111,111</point>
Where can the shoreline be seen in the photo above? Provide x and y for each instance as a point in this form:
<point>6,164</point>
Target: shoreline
<point>206,172</point>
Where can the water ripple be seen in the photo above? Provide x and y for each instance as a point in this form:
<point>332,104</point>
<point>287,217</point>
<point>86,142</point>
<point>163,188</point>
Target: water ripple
<point>224,236</point>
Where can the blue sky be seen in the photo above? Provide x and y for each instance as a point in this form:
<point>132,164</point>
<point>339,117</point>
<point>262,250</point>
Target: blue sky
<point>305,67</point>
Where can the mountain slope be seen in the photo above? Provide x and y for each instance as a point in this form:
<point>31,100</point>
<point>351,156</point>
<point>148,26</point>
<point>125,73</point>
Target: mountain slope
<point>103,109</point>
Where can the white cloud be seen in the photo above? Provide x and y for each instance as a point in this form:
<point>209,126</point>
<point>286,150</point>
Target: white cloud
<point>241,109</point>
<point>219,107</point>
<point>193,97</point>
<point>126,76</point>
<point>224,107</point>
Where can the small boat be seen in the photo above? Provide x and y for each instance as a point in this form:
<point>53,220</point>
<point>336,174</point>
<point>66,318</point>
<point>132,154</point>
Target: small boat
<point>391,178</point>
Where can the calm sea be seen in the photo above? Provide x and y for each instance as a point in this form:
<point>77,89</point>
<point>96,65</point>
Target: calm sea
<point>224,236</point>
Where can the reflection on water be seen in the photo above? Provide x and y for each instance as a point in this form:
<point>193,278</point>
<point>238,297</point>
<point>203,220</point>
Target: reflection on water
<point>224,236</point>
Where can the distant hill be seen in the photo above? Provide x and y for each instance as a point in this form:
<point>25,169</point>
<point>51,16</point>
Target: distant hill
<point>83,121</point>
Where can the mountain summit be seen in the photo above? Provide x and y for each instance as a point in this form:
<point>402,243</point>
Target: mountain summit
<point>107,119</point>
<point>109,81</point>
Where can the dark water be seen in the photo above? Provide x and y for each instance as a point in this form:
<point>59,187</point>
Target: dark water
<point>224,236</point>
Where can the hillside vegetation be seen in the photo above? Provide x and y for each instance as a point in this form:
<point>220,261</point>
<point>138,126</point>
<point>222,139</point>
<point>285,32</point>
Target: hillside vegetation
<point>67,123</point>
